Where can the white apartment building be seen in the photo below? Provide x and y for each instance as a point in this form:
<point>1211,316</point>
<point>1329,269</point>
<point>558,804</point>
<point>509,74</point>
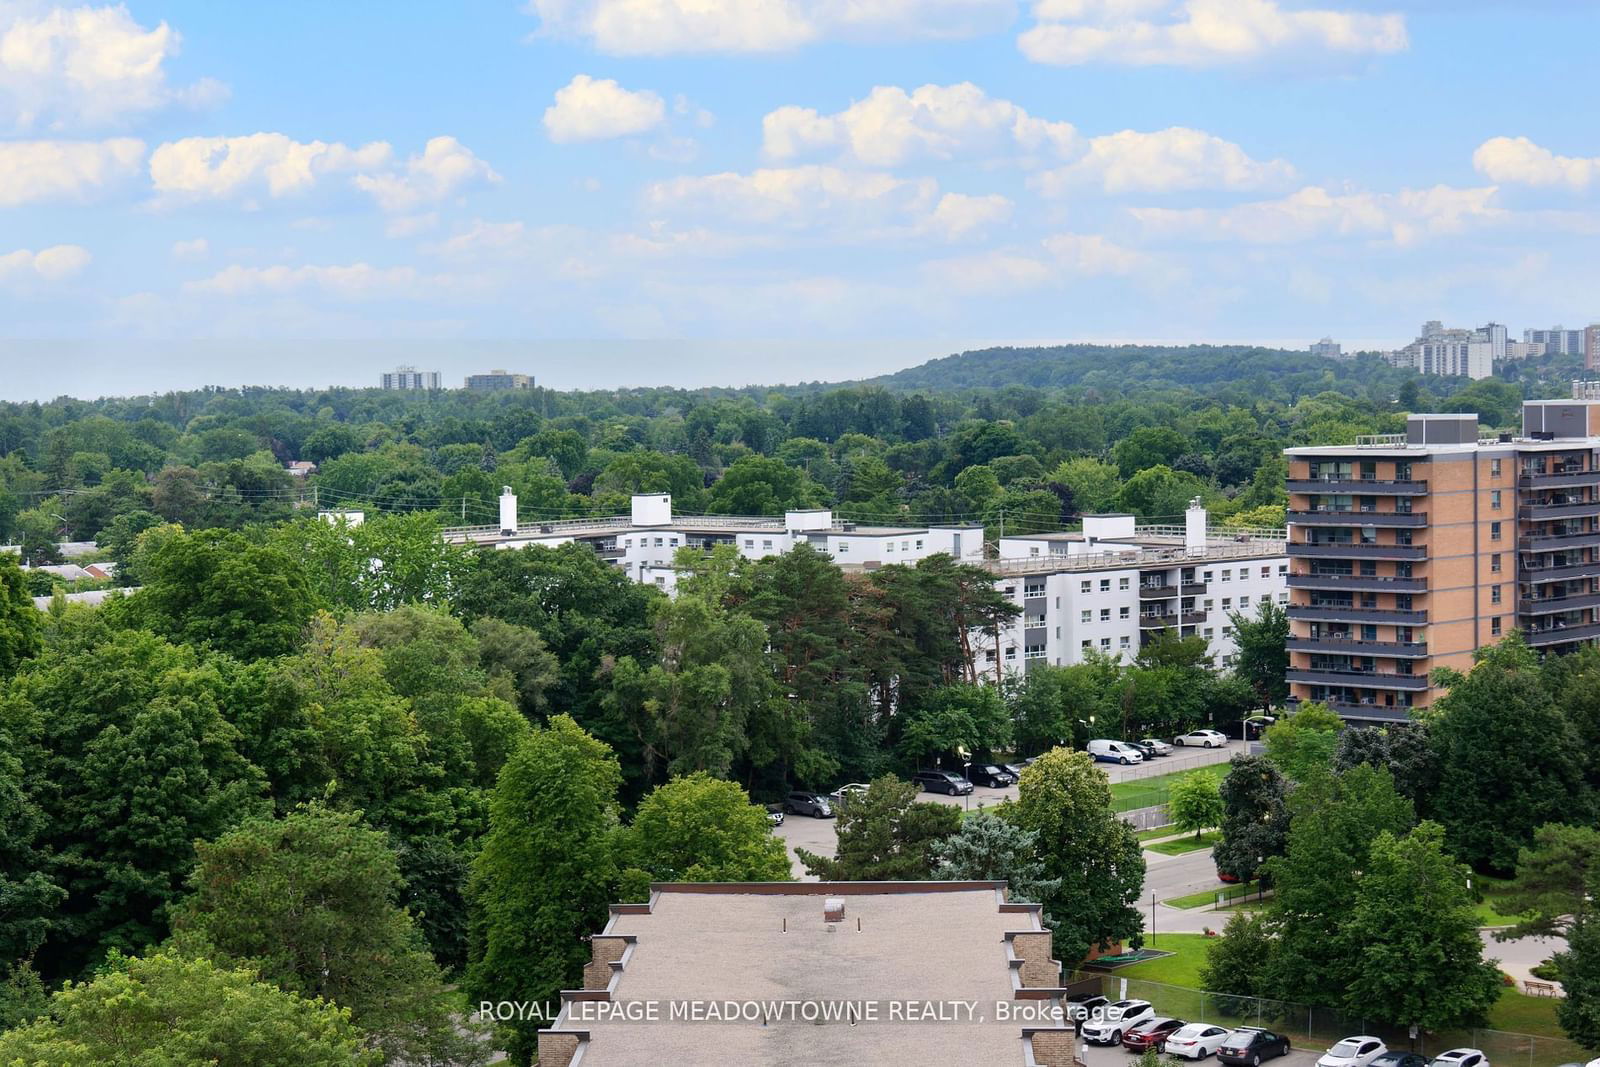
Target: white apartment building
<point>1328,348</point>
<point>1115,585</point>
<point>1557,340</point>
<point>643,542</point>
<point>410,378</point>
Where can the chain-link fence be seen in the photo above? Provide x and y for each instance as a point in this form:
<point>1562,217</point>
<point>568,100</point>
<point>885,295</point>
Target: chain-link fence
<point>1314,1028</point>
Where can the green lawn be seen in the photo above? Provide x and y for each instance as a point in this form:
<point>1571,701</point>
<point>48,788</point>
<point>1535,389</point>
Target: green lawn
<point>1159,831</point>
<point>1187,843</point>
<point>1143,792</point>
<point>1207,897</point>
<point>1522,1014</point>
<point>1182,968</point>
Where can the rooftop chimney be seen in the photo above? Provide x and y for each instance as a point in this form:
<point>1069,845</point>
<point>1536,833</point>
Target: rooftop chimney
<point>1194,527</point>
<point>833,909</point>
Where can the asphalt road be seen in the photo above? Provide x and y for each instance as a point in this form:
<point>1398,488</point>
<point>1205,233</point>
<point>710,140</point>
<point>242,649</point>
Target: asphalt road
<point>1119,1057</point>
<point>817,835</point>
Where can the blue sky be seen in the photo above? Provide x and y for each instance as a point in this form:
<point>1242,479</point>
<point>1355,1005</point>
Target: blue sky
<point>786,189</point>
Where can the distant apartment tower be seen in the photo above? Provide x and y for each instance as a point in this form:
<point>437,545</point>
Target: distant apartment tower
<point>1408,551</point>
<point>1455,352</point>
<point>1327,348</point>
<point>499,379</point>
<point>1591,347</point>
<point>1557,340</point>
<point>411,378</point>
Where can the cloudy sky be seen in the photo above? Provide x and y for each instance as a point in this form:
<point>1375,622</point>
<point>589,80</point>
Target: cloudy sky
<point>812,188</point>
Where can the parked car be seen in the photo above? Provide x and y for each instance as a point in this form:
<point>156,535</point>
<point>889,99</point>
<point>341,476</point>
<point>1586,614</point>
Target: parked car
<point>1256,725</point>
<point>1156,746</point>
<point>801,802</point>
<point>1114,1020</point>
<point>1015,768</point>
<point>1224,876</point>
<point>1396,1058</point>
<point>1200,739</point>
<point>942,782</point>
<point>1358,1051</point>
<point>1107,751</point>
<point>775,814</point>
<point>1144,749</point>
<point>1195,1041</point>
<point>1250,1045</point>
<point>1461,1057</point>
<point>847,791</point>
<point>1079,1006</point>
<point>1151,1034</point>
<point>991,776</point>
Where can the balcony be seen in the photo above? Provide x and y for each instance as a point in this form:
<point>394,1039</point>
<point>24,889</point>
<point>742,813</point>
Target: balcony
<point>1358,518</point>
<point>1555,604</point>
<point>1369,712</point>
<point>1377,616</point>
<point>1157,592</point>
<point>609,550</point>
<point>1157,622</point>
<point>1361,486</point>
<point>1356,550</point>
<point>1541,575</point>
<point>1409,683</point>
<point>1558,542</point>
<point>1558,479</point>
<point>1369,583</point>
<point>1541,512</point>
<point>1561,635</point>
<point>1192,618</point>
<point>1193,588</point>
<point>1355,647</point>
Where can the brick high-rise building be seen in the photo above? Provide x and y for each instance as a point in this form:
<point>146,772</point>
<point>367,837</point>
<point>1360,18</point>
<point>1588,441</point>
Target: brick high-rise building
<point>1409,551</point>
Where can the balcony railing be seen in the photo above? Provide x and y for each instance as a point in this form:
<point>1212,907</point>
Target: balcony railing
<point>1560,635</point>
<point>1356,550</point>
<point>1321,517</point>
<point>1555,604</point>
<point>1366,486</point>
<point>1356,647</point>
<point>1369,712</point>
<point>1558,479</point>
<point>1533,512</point>
<point>1558,542</point>
<point>1193,588</point>
<point>1191,618</point>
<point>1157,592</point>
<point>1377,616</point>
<point>1411,683</point>
<point>1157,622</point>
<point>1582,569</point>
<point>1365,582</point>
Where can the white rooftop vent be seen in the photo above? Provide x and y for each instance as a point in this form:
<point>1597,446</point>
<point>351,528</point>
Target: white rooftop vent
<point>833,910</point>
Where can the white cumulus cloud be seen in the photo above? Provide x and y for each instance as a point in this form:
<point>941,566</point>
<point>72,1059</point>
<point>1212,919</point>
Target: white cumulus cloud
<point>958,215</point>
<point>195,249</point>
<point>355,281</point>
<point>219,167</point>
<point>445,167</point>
<point>1202,33</point>
<point>1164,161</point>
<point>1058,258</point>
<point>1315,213</point>
<point>31,171</point>
<point>799,197</point>
<point>892,126</point>
<point>589,109</point>
<point>62,67</point>
<point>662,27</point>
<point>52,264</point>
<point>1519,161</point>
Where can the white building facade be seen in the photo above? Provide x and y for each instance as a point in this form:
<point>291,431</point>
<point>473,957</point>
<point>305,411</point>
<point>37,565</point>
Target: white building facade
<point>410,378</point>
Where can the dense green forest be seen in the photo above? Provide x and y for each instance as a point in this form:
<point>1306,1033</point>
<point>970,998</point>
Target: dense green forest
<point>347,779</point>
<point>1053,433</point>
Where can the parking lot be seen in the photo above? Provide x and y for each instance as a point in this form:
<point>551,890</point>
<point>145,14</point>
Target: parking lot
<point>1119,1057</point>
<point>817,835</point>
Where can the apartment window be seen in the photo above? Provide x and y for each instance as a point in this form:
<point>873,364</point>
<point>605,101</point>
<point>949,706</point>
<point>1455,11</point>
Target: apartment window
<point>1124,640</point>
<point>1208,576</point>
<point>1244,602</point>
<point>1122,583</point>
<point>890,547</point>
<point>844,547</point>
<point>1227,631</point>
<point>1494,531</point>
<point>1494,499</point>
<point>1105,614</point>
<point>1058,633</point>
<point>1122,612</point>
<point>1086,616</point>
<point>1494,626</point>
<point>1283,568</point>
<point>673,542</point>
<point>1266,572</point>
<point>1494,594</point>
<point>1283,598</point>
<point>1010,590</point>
<point>749,543</point>
<point>1227,575</point>
<point>919,546</point>
<point>1494,563</point>
<point>1011,653</point>
<point>1227,603</point>
<point>1105,585</point>
<point>1208,631</point>
<point>1086,642</point>
<point>1083,587</point>
<point>1105,642</point>
<point>1208,605</point>
<point>1494,470</point>
<point>628,543</point>
<point>768,544</point>
<point>1058,603</point>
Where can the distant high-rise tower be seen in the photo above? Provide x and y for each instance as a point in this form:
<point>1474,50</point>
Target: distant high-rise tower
<point>411,378</point>
<point>1328,348</point>
<point>499,379</point>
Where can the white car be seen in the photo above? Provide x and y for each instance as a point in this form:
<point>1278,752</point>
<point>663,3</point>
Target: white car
<point>1112,1021</point>
<point>848,790</point>
<point>1355,1051</point>
<point>1461,1057</point>
<point>1156,745</point>
<point>1201,739</point>
<point>1196,1041</point>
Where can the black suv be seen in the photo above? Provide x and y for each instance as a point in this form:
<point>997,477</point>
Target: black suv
<point>942,782</point>
<point>801,802</point>
<point>991,775</point>
<point>1249,1045</point>
<point>1080,1006</point>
